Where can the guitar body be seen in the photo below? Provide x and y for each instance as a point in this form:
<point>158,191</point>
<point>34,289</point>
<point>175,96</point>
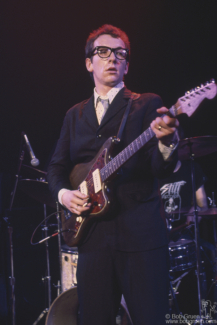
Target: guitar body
<point>78,226</point>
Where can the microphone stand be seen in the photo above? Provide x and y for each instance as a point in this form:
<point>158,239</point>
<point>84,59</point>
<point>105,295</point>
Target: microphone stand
<point>10,232</point>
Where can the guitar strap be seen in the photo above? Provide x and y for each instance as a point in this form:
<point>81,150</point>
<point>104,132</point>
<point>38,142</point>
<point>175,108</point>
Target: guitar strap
<point>126,113</point>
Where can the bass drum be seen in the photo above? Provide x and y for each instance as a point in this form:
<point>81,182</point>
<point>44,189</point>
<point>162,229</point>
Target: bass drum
<point>64,310</point>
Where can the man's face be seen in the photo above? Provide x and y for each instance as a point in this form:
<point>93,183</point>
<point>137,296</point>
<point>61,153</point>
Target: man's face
<point>107,71</point>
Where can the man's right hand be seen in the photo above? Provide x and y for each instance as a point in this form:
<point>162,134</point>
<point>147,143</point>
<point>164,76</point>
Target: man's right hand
<point>76,202</point>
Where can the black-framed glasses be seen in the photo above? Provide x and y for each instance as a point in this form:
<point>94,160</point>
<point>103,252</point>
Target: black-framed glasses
<point>105,52</point>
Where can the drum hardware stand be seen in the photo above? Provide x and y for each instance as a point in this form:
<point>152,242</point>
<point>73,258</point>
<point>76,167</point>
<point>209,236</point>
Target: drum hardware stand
<point>215,241</point>
<point>10,232</point>
<point>48,276</point>
<point>174,292</point>
<point>59,248</point>
<point>196,232</point>
<point>58,287</point>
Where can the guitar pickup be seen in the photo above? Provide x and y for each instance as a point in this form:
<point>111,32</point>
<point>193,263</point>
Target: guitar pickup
<point>97,180</point>
<point>83,188</point>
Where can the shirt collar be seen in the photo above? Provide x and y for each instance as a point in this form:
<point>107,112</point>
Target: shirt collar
<point>110,94</point>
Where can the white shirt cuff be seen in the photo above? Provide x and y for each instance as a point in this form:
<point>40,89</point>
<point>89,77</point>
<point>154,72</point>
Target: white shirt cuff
<point>60,194</point>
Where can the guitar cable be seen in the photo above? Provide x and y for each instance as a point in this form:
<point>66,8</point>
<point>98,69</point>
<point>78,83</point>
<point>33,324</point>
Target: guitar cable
<point>48,237</point>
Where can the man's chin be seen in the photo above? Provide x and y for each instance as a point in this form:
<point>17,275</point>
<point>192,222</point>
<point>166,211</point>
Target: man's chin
<point>113,82</point>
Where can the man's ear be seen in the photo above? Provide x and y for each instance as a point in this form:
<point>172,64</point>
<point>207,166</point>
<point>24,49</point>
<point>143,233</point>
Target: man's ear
<point>89,65</point>
<point>126,68</point>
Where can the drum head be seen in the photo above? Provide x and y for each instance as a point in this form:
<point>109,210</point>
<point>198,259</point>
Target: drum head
<point>64,309</point>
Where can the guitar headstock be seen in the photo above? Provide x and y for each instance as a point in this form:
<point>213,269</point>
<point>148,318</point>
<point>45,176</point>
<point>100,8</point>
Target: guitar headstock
<point>192,99</point>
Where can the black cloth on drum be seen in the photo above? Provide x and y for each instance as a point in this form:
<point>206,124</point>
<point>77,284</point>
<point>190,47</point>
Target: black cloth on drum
<point>176,190</point>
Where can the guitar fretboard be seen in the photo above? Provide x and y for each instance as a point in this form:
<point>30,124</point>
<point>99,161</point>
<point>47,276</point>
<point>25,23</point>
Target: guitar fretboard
<point>126,154</point>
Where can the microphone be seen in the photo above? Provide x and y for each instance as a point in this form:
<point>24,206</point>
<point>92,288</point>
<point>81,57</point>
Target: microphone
<point>34,161</point>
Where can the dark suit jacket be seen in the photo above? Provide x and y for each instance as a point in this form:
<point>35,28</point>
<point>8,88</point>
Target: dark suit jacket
<point>136,222</point>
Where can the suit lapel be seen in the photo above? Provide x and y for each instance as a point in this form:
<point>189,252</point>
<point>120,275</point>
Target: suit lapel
<point>89,113</point>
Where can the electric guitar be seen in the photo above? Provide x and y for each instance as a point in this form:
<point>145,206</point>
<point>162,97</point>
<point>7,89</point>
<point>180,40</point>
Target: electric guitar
<point>93,178</point>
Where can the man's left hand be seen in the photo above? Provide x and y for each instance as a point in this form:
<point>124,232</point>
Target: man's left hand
<point>164,127</point>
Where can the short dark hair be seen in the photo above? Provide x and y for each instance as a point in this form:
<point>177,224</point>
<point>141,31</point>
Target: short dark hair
<point>106,29</point>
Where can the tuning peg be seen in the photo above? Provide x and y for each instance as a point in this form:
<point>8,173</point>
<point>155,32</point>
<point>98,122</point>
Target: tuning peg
<point>201,86</point>
<point>207,83</point>
<point>187,93</point>
<point>196,88</point>
<point>212,80</point>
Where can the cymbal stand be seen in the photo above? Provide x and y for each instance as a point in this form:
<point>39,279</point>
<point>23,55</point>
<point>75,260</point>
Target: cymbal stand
<point>215,241</point>
<point>196,233</point>
<point>59,246</point>
<point>10,232</point>
<point>48,276</point>
<point>173,291</point>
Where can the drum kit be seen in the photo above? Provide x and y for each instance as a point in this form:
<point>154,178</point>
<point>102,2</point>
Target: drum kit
<point>184,254</point>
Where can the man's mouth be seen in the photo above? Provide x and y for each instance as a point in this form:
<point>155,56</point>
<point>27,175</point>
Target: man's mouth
<point>112,69</point>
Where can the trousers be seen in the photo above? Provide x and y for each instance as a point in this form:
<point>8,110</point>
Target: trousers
<point>105,274</point>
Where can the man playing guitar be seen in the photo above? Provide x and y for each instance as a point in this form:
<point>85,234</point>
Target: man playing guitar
<point>125,251</point>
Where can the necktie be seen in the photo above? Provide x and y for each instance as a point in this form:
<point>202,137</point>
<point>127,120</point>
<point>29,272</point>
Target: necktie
<point>101,108</point>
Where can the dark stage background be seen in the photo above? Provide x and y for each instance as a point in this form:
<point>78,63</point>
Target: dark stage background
<point>173,49</point>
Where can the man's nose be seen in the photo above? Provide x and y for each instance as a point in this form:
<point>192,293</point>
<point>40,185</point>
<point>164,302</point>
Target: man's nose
<point>112,57</point>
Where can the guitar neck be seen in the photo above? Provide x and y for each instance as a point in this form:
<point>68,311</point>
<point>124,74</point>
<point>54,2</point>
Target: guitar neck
<point>130,150</point>
<point>126,154</point>
<point>186,104</point>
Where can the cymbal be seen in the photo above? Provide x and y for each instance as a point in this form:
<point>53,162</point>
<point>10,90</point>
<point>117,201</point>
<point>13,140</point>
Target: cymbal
<point>200,146</point>
<point>182,210</point>
<point>38,190</point>
<point>179,242</point>
<point>28,171</point>
<point>209,212</point>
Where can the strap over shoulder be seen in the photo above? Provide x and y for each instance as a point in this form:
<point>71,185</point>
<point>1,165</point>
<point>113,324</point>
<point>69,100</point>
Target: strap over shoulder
<point>135,96</point>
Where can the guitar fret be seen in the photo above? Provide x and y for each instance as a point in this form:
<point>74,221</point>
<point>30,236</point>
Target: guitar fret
<point>122,157</point>
<point>141,140</point>
<point>114,164</point>
<point>138,142</point>
<point>125,154</point>
<point>134,147</point>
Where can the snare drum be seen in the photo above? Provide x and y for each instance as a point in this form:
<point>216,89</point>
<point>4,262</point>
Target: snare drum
<point>69,256</point>
<point>182,255</point>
